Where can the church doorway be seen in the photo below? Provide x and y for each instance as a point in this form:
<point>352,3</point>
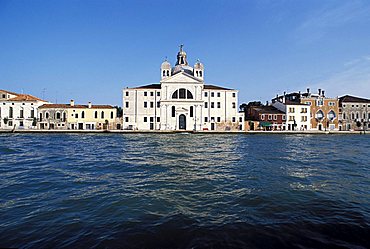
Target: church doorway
<point>182,122</point>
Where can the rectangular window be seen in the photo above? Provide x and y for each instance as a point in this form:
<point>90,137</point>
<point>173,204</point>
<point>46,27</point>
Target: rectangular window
<point>158,119</point>
<point>126,119</point>
<point>76,115</point>
<point>240,119</point>
<point>319,102</point>
<point>152,94</point>
<point>234,95</point>
<point>291,118</point>
<point>145,119</point>
<point>158,94</point>
<point>270,117</point>
<point>291,109</point>
<point>206,119</point>
<point>218,94</point>
<point>126,93</point>
<point>145,104</point>
<point>127,104</point>
<point>21,114</point>
<point>206,105</point>
<point>284,117</point>
<point>158,104</point>
<point>263,117</point>
<point>275,117</point>
<point>218,119</point>
<point>151,119</point>
<point>234,119</point>
<point>151,104</point>
<point>32,113</point>
<point>234,105</point>
<point>205,94</point>
<point>212,104</point>
<point>145,93</point>
<point>212,94</point>
<point>304,118</point>
<point>218,104</point>
<point>331,103</point>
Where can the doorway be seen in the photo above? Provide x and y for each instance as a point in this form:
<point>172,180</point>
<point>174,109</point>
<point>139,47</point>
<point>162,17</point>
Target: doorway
<point>182,122</point>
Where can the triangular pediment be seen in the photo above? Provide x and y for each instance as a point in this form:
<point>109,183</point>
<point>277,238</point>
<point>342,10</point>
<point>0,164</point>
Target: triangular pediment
<point>181,77</point>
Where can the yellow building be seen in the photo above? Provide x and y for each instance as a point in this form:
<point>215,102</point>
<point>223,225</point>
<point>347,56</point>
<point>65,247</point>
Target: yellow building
<point>77,117</point>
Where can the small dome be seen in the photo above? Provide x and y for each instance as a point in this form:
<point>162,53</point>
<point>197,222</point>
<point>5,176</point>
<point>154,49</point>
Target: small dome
<point>198,65</point>
<point>166,65</point>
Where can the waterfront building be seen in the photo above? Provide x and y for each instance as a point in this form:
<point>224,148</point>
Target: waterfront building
<point>263,117</point>
<point>354,112</point>
<point>323,110</point>
<point>77,117</point>
<point>181,101</point>
<point>18,111</point>
<point>297,114</point>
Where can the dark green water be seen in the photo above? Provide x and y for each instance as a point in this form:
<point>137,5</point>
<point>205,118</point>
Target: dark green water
<point>184,191</point>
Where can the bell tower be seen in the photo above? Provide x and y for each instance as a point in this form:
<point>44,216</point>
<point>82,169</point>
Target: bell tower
<point>165,69</point>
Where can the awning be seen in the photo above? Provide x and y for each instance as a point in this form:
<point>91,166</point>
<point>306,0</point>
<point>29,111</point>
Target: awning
<point>265,124</point>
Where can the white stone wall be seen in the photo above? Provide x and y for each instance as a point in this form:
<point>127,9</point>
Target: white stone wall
<point>17,120</point>
<point>295,114</point>
<point>212,109</point>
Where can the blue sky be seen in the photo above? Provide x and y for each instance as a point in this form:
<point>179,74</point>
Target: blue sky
<point>90,50</point>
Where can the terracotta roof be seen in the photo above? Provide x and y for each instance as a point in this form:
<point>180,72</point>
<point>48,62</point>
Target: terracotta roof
<point>9,92</point>
<point>353,99</point>
<point>76,106</point>
<point>212,87</point>
<point>25,97</point>
<point>267,110</point>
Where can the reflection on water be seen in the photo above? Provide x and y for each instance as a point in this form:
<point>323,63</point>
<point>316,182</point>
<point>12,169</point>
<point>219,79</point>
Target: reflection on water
<point>184,191</point>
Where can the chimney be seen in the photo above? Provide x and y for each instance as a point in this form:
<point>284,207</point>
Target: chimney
<point>89,105</point>
<point>323,93</point>
<point>267,103</point>
<point>308,90</point>
<point>284,98</point>
<point>72,102</point>
<point>319,92</point>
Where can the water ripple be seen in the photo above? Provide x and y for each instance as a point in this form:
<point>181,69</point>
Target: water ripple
<point>184,191</point>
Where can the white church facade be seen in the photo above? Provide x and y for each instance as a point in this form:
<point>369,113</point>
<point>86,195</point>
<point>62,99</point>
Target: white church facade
<point>181,101</point>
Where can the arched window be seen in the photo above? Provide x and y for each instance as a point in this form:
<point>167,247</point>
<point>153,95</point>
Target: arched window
<point>200,74</point>
<point>102,114</point>
<point>96,114</point>
<point>164,73</point>
<point>191,111</point>
<point>352,116</point>
<point>357,115</point>
<point>344,115</point>
<point>182,93</point>
<point>173,111</point>
<point>83,114</point>
<point>319,115</point>
<point>58,115</point>
<point>47,115</point>
<point>21,113</point>
<point>40,116</point>
<point>331,115</point>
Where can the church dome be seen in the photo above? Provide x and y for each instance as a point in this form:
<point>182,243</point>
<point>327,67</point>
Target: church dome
<point>166,65</point>
<point>198,65</point>
<point>180,68</point>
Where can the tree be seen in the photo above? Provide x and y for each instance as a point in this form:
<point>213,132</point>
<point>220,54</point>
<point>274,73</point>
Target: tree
<point>119,111</point>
